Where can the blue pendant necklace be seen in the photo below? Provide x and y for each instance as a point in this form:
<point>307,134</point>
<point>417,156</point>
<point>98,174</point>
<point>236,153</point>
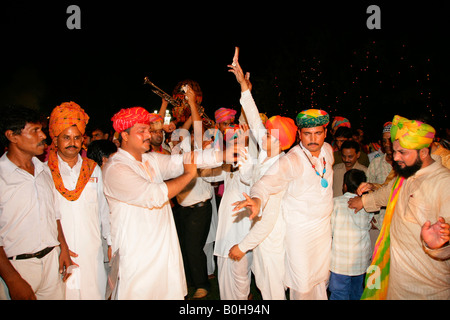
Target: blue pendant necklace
<point>323,181</point>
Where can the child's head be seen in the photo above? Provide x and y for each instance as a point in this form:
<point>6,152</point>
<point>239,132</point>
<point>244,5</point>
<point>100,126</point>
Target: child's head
<point>352,179</point>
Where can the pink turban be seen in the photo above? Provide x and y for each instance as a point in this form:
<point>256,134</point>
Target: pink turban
<point>224,114</point>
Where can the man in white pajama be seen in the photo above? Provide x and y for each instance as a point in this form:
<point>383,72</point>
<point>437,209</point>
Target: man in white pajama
<point>306,174</point>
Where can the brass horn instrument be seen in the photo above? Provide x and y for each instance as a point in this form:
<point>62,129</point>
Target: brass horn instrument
<point>174,102</point>
<point>164,95</point>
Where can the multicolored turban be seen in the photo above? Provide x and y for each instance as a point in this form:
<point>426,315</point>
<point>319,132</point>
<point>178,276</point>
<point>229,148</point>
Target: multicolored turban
<point>412,134</point>
<point>155,117</point>
<point>287,130</point>
<point>340,122</point>
<point>65,116</point>
<point>224,114</point>
<point>312,118</point>
<point>126,118</point>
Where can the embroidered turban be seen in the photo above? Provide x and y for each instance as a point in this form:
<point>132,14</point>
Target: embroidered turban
<point>387,127</point>
<point>412,134</point>
<point>287,130</point>
<point>126,118</point>
<point>155,117</point>
<point>312,118</point>
<point>340,122</point>
<point>224,114</point>
<point>65,116</point>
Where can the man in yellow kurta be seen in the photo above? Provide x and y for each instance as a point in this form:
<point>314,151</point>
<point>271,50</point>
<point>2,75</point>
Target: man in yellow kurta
<point>419,251</point>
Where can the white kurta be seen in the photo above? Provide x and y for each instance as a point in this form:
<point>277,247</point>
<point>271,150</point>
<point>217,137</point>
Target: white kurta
<point>142,225</point>
<point>82,222</point>
<point>306,208</point>
<point>266,238</point>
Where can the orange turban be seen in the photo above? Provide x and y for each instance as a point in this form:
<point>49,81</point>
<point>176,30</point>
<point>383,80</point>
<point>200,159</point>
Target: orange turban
<point>126,118</point>
<point>287,130</point>
<point>65,116</point>
<point>155,117</point>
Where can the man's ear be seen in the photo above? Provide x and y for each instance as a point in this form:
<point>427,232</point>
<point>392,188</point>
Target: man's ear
<point>9,134</point>
<point>55,141</point>
<point>423,153</point>
<point>124,135</point>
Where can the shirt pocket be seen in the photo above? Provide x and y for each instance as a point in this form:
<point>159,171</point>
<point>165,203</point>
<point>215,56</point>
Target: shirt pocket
<point>90,192</point>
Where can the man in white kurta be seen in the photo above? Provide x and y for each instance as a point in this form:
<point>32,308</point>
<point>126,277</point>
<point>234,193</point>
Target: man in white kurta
<point>142,225</point>
<point>85,221</point>
<point>80,199</point>
<point>307,205</point>
<point>266,238</point>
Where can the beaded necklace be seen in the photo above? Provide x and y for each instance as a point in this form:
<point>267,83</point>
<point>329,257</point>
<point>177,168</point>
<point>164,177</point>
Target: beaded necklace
<point>323,181</point>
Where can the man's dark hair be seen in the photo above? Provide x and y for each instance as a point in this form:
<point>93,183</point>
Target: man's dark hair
<point>100,148</point>
<point>350,144</point>
<point>353,178</point>
<point>343,132</point>
<point>15,118</point>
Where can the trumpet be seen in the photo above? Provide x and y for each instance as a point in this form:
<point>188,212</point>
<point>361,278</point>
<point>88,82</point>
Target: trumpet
<point>184,106</point>
<point>164,95</point>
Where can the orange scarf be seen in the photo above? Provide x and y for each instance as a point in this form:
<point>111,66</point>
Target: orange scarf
<point>87,168</point>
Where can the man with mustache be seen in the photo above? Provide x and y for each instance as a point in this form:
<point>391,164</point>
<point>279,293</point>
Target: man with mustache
<point>411,255</point>
<point>350,153</point>
<point>84,210</point>
<point>33,250</point>
<point>138,187</point>
<point>306,174</point>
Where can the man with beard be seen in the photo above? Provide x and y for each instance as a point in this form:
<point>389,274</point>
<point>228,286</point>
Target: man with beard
<point>411,254</point>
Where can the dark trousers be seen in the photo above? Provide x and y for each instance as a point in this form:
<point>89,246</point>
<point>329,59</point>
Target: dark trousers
<point>193,227</point>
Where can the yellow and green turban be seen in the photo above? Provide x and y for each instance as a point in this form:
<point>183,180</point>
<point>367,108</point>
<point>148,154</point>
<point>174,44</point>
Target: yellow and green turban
<point>312,118</point>
<point>412,134</point>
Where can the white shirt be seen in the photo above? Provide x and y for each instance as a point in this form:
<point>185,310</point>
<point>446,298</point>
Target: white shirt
<point>27,208</point>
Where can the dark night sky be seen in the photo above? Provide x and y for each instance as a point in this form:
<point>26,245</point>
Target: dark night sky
<point>102,66</point>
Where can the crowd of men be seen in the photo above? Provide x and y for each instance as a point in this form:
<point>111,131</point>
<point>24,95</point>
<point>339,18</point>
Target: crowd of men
<point>164,205</point>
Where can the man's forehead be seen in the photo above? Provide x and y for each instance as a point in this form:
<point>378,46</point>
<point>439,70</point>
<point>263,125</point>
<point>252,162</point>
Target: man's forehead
<point>313,129</point>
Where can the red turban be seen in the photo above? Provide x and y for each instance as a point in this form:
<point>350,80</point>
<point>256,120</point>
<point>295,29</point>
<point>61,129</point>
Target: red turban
<point>126,118</point>
<point>66,115</point>
<point>224,114</point>
<point>287,130</point>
